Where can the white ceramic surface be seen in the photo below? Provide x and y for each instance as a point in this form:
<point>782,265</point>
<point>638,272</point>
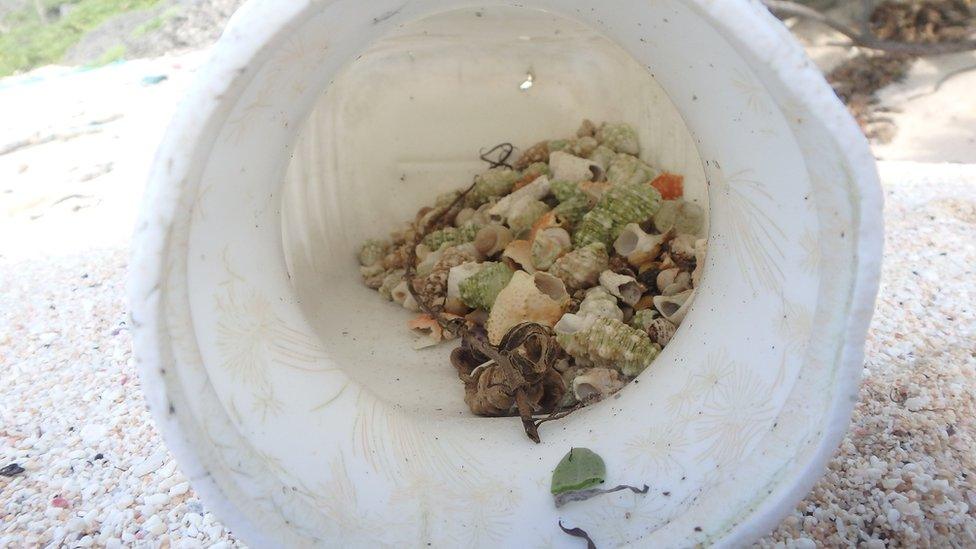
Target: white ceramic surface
<point>290,393</point>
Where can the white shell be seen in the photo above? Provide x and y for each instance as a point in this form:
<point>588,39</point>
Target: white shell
<point>492,239</point>
<point>624,287</point>
<point>566,167</point>
<point>600,303</point>
<point>596,384</point>
<point>680,283</point>
<point>666,277</point>
<point>674,307</point>
<point>519,255</point>
<point>539,298</point>
<point>536,190</point>
<point>638,246</point>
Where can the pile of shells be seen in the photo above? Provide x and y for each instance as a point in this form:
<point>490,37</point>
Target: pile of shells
<point>579,235</point>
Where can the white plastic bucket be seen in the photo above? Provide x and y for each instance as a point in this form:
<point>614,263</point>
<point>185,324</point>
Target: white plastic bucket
<point>290,393</point>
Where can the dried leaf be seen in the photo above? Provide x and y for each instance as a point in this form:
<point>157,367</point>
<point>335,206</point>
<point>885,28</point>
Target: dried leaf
<point>578,533</point>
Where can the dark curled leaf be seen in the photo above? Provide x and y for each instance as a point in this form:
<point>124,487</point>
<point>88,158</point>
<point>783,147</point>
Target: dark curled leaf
<point>578,533</point>
<point>583,495</point>
<point>503,151</point>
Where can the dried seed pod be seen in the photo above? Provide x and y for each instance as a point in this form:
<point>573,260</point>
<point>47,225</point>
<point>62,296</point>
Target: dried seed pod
<point>681,283</point>
<point>480,290</point>
<point>626,288</point>
<point>524,214</point>
<point>536,190</point>
<point>627,169</point>
<point>639,247</point>
<point>490,184</point>
<point>596,384</point>
<point>661,330</point>
<point>701,248</point>
<point>642,319</point>
<point>518,255</point>
<point>682,250</point>
<point>372,252</point>
<point>683,216</point>
<point>539,298</point>
<point>674,307</point>
<point>600,303</point>
<point>586,129</point>
<point>581,267</point>
<point>489,395</point>
<point>606,342</point>
<point>620,206</point>
<point>534,154</point>
<point>548,246</point>
<point>566,167</point>
<point>492,239</point>
<point>622,138</point>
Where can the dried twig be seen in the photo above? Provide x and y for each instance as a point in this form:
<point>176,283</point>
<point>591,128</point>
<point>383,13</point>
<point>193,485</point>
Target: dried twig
<point>863,38</point>
<point>578,533</point>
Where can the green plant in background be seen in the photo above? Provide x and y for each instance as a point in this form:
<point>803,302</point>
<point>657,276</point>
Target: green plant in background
<point>35,37</point>
<point>111,55</point>
<point>155,23</point>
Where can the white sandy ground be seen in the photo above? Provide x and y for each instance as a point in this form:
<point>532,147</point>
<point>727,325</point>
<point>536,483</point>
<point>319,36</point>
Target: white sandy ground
<point>72,414</point>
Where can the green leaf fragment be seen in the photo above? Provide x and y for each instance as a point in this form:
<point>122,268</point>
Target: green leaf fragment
<point>580,469</point>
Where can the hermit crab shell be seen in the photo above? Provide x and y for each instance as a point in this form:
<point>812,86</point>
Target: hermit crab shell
<point>606,342</point>
<point>566,167</point>
<point>549,245</point>
<point>581,267</point>
<point>596,384</point>
<point>624,287</point>
<point>638,246</point>
<point>539,298</point>
<point>674,307</point>
<point>492,239</point>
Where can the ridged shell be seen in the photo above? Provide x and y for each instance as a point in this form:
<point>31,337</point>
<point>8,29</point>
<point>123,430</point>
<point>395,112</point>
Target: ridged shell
<point>599,303</point>
<point>626,288</point>
<point>622,138</point>
<point>524,214</point>
<point>372,252</point>
<point>581,267</point>
<point>573,210</point>
<point>433,291</point>
<point>390,281</point>
<point>450,236</point>
<point>596,384</point>
<point>685,217</point>
<point>492,239</point>
<point>587,129</point>
<point>606,342</point>
<point>530,174</point>
<point>534,154</point>
<point>661,330</point>
<point>539,298</point>
<point>491,184</point>
<point>536,190</point>
<point>603,156</point>
<point>639,247</point>
<point>518,255</point>
<point>480,290</point>
<point>548,246</point>
<point>681,283</point>
<point>457,275</point>
<point>620,206</point>
<point>565,190</point>
<point>566,167</point>
<point>642,319</point>
<point>626,169</point>
<point>674,307</point>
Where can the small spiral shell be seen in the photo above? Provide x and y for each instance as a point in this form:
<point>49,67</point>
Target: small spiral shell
<point>537,190</point>
<point>674,307</point>
<point>622,138</point>
<point>450,236</point>
<point>626,288</point>
<point>661,330</point>
<point>581,267</point>
<point>639,247</point>
<point>566,167</point>
<point>627,169</point>
<point>492,239</point>
<point>548,246</point>
<point>372,252</point>
<point>491,184</point>
<point>480,290</point>
<point>390,280</point>
<point>535,154</point>
<point>606,342</point>
<point>642,319</point>
<point>524,214</point>
<point>683,216</point>
<point>599,303</point>
<point>596,384</point>
<point>619,206</point>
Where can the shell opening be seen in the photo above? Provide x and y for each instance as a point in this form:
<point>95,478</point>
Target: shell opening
<point>551,286</point>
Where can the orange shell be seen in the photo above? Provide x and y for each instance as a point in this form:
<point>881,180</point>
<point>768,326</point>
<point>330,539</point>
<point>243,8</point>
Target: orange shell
<point>671,186</point>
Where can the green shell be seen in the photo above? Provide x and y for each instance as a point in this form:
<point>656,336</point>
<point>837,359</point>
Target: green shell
<point>524,213</point>
<point>610,343</point>
<point>450,236</point>
<point>573,209</point>
<point>581,267</point>
<point>480,290</point>
<point>372,252</point>
<point>600,303</point>
<point>565,190</point>
<point>620,205</point>
<point>625,168</point>
<point>684,217</point>
<point>535,170</point>
<point>559,145</point>
<point>444,200</point>
<point>619,137</point>
<point>580,469</point>
<point>491,184</point>
<point>390,281</point>
<point>603,156</point>
<point>548,245</point>
<point>642,319</point>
